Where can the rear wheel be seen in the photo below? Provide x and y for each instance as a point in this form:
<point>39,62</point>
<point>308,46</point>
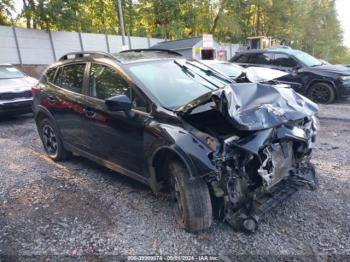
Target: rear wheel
<point>321,93</point>
<point>51,140</point>
<point>193,207</point>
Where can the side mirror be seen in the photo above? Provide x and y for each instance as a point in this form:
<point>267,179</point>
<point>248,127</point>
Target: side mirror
<point>119,103</point>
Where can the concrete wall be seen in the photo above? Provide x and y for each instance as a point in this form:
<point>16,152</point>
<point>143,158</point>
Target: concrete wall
<point>38,47</point>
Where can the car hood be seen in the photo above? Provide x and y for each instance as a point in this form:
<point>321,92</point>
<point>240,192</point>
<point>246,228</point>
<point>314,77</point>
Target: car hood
<point>334,69</point>
<point>17,84</point>
<point>253,106</point>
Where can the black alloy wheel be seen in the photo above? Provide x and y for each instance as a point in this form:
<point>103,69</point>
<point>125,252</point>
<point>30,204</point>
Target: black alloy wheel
<point>321,93</point>
<point>50,141</point>
<point>193,208</point>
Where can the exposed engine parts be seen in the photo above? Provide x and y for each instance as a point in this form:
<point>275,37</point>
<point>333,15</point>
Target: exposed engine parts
<point>277,164</point>
<point>259,171</point>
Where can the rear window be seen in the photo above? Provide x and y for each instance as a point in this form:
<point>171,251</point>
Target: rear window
<point>71,77</point>
<point>242,58</point>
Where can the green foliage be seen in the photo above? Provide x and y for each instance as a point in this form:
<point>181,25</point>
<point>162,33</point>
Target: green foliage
<point>311,25</point>
<point>6,6</point>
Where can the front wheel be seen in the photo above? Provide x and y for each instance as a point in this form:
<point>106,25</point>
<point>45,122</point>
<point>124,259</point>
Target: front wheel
<point>321,93</point>
<point>193,207</point>
<point>52,142</point>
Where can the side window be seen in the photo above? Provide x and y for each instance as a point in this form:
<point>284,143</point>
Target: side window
<point>262,59</point>
<point>243,58</point>
<point>105,82</point>
<point>139,102</point>
<point>284,60</point>
<point>50,74</point>
<point>71,77</point>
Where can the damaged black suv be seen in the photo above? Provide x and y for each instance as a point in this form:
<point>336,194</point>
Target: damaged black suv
<point>220,147</point>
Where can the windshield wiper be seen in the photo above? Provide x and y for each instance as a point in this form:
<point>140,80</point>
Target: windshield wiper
<point>184,68</point>
<point>211,72</point>
<point>189,72</point>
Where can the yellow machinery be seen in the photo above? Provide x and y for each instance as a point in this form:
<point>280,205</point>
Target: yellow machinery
<point>261,42</point>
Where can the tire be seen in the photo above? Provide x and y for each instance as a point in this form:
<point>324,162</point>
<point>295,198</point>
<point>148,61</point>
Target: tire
<point>51,140</point>
<point>193,207</point>
<point>322,93</point>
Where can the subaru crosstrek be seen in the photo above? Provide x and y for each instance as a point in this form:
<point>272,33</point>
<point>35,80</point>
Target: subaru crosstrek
<point>233,150</point>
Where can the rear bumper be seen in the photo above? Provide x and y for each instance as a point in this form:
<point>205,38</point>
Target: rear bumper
<point>16,106</point>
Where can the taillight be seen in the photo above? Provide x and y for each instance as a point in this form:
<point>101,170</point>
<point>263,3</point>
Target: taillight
<point>35,90</point>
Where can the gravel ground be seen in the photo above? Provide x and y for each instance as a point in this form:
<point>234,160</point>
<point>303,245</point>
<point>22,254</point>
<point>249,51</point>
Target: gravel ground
<point>77,207</point>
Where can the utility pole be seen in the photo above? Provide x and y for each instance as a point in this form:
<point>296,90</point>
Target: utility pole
<point>121,20</point>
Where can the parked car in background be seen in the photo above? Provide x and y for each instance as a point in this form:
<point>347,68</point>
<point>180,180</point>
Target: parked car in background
<point>178,125</point>
<point>15,91</point>
<point>307,75</point>
<point>240,74</point>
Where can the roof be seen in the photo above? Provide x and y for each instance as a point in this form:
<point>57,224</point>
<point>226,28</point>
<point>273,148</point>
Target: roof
<point>279,50</point>
<point>137,55</point>
<point>124,57</point>
<point>178,44</point>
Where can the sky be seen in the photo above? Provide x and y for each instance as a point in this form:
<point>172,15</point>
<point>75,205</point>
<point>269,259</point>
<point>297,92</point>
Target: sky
<point>343,8</point>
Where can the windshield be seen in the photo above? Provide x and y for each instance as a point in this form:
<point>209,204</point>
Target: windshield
<point>174,82</point>
<point>307,59</point>
<point>10,72</point>
<point>230,70</point>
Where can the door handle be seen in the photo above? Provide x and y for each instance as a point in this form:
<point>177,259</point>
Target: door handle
<point>90,113</point>
<point>52,99</point>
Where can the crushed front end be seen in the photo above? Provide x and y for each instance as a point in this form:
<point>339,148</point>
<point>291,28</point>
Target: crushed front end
<point>260,170</point>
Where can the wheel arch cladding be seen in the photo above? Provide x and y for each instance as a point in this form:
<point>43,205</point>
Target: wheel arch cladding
<point>185,147</point>
<point>41,113</point>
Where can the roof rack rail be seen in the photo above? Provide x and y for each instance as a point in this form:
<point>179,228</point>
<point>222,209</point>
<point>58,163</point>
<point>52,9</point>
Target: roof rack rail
<point>152,50</point>
<point>87,53</point>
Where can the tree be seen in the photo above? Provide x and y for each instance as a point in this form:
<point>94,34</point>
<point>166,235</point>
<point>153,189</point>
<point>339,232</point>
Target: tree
<point>311,25</point>
<point>6,7</point>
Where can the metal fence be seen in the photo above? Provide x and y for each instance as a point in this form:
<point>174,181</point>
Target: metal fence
<point>37,47</point>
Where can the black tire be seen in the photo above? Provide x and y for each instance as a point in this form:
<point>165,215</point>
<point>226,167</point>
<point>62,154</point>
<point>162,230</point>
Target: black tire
<point>322,93</point>
<point>51,140</point>
<point>193,207</point>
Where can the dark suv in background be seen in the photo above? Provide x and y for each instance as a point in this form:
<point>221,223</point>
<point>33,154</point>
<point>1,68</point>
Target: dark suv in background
<point>323,83</point>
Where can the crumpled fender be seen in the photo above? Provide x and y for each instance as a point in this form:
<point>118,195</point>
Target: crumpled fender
<point>192,151</point>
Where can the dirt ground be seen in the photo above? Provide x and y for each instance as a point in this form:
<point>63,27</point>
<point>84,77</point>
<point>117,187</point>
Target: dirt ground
<point>77,207</point>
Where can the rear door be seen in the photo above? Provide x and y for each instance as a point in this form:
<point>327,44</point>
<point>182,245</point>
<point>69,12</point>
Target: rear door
<point>115,136</point>
<point>65,100</point>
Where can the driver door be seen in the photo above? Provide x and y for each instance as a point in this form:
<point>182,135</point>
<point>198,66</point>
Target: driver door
<point>114,136</point>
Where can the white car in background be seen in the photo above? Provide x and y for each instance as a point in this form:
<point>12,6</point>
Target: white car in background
<point>240,74</point>
<point>15,91</point>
